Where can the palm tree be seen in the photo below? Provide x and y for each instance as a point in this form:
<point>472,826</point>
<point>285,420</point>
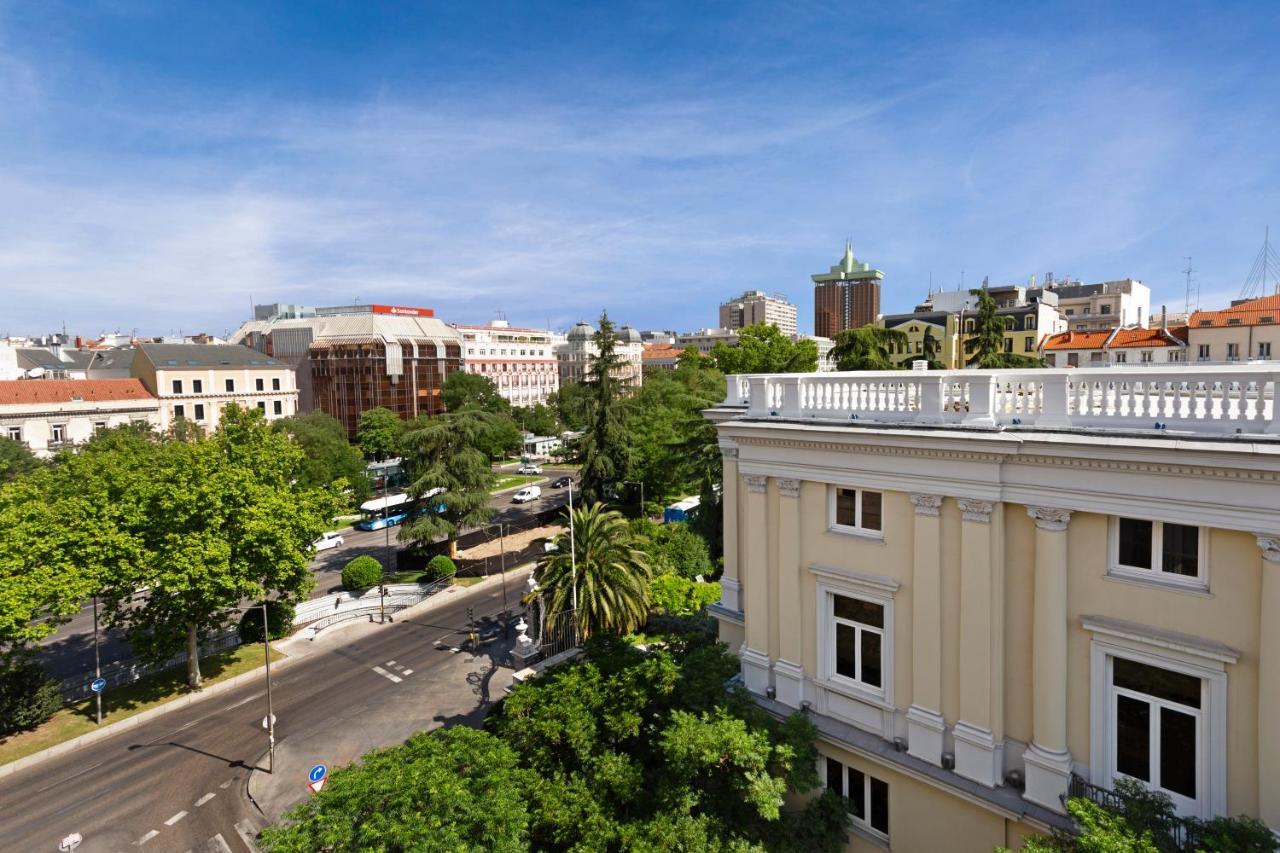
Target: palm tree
<point>611,575</point>
<point>868,348</point>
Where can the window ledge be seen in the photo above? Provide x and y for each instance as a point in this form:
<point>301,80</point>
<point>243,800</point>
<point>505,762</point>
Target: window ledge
<point>1172,640</point>
<point>1200,590</point>
<point>868,835</point>
<point>870,535</point>
<point>852,691</point>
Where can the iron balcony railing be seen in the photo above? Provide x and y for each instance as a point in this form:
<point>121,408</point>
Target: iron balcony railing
<point>1180,834</point>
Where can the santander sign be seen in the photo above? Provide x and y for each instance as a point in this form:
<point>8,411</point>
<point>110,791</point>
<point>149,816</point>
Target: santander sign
<point>403,311</point>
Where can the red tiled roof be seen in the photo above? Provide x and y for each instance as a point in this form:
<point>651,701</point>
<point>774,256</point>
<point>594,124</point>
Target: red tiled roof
<point>1124,339</point>
<point>653,352</point>
<point>1255,312</point>
<point>1148,337</point>
<point>1077,340</point>
<point>38,391</point>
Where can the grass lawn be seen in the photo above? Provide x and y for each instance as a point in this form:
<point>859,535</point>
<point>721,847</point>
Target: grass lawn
<point>467,581</point>
<point>119,703</point>
<point>510,481</point>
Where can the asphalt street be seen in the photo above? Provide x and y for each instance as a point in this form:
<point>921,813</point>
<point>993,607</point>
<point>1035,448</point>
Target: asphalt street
<point>181,781</point>
<point>69,651</point>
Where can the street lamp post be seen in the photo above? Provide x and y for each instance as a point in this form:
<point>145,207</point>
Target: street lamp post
<point>386,560</point>
<point>573,555</point>
<point>97,660</point>
<point>271,717</point>
<point>639,483</point>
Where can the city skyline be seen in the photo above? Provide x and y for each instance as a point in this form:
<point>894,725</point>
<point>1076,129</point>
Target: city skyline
<point>163,169</point>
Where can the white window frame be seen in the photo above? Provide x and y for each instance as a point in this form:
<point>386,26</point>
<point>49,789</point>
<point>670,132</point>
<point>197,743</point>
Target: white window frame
<point>1179,653</point>
<point>1233,352</point>
<point>1121,357</point>
<point>57,433</point>
<point>14,433</point>
<point>859,824</point>
<point>1264,349</point>
<point>1202,352</point>
<point>198,413</point>
<point>871,588</point>
<point>834,526</point>
<point>1146,356</point>
<point>1155,574</point>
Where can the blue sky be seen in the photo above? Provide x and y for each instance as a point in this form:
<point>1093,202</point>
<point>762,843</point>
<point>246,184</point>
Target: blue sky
<point>162,164</point>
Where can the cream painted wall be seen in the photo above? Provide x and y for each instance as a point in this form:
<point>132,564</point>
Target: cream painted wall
<point>1019,578</point>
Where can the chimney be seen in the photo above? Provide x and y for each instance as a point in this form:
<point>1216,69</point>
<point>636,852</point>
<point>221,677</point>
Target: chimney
<point>1164,319</point>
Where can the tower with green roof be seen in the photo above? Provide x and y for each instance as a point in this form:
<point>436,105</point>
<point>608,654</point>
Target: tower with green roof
<point>847,296</point>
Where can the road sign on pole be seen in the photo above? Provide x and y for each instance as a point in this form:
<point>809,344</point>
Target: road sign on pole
<point>317,777</point>
<point>98,685</point>
<point>71,842</point>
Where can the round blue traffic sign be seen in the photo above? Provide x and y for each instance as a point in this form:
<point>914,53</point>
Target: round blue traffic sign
<point>317,773</point>
<point>98,685</point>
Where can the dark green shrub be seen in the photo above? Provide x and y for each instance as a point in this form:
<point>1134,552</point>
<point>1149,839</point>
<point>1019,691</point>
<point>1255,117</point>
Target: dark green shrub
<point>361,573</point>
<point>28,697</point>
<point>440,567</point>
<point>279,617</point>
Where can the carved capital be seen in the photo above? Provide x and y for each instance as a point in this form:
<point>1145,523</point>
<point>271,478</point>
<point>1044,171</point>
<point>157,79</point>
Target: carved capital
<point>1270,546</point>
<point>1049,518</point>
<point>755,482</point>
<point>972,509</point>
<point>729,451</point>
<point>930,505</point>
<point>789,488</point>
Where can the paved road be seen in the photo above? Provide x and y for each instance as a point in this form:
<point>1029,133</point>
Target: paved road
<point>179,782</point>
<point>69,651</point>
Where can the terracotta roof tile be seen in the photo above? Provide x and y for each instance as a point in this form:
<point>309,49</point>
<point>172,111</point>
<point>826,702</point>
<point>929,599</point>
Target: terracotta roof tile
<point>1124,339</point>
<point>1255,312</point>
<point>659,351</point>
<point>46,391</point>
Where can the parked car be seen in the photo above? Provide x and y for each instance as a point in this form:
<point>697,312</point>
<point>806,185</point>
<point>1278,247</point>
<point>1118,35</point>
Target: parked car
<point>529,468</point>
<point>561,482</point>
<point>528,493</point>
<point>327,541</point>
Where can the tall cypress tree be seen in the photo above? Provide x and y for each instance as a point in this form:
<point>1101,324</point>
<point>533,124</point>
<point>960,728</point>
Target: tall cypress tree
<point>603,449</point>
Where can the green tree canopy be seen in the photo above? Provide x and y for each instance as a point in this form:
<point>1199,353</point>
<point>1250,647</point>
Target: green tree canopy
<point>448,452</point>
<point>328,458</point>
<point>985,345</point>
<point>763,349</point>
<point>673,447</point>
<point>379,432</point>
<point>604,450</point>
<point>675,548</point>
<point>572,405</point>
<point>15,459</point>
<point>463,390</point>
<point>867,348</point>
<point>611,575</point>
<point>537,419</point>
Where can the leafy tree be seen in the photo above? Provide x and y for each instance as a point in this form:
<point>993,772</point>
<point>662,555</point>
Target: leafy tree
<point>28,696</point>
<point>454,789</point>
<point>572,405</point>
<point>378,432</point>
<point>867,348</point>
<point>463,390</point>
<point>537,419</point>
<point>219,519</point>
<point>329,460</point>
<point>15,459</point>
<point>763,349</point>
<point>985,345</point>
<point>447,452</point>
<point>503,438</point>
<point>611,574</point>
<point>673,595</point>
<point>674,548</point>
<point>692,357</point>
<point>603,449</point>
<point>930,350</point>
<point>361,573</point>
<point>280,613</point>
<point>673,447</point>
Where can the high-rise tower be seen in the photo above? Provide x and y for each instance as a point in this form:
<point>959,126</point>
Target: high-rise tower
<point>847,297</point>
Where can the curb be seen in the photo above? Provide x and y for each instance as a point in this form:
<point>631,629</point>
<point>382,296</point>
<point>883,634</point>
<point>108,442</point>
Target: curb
<point>221,687</point>
<point>540,482</point>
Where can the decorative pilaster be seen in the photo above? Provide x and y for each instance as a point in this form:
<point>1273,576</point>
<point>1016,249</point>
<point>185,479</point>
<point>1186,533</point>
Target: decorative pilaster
<point>976,742</point>
<point>1269,685</point>
<point>1047,759</point>
<point>788,674</point>
<point>755,585</point>
<point>925,724</point>
<point>730,580</point>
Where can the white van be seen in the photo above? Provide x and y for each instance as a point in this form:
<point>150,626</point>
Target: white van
<point>528,493</point>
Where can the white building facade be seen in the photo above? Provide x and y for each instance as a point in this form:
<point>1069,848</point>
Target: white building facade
<point>579,347</point>
<point>49,414</point>
<point>196,382</point>
<point>521,362</point>
<point>756,306</point>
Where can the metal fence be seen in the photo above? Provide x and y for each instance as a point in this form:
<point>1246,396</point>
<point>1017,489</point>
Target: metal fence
<point>1182,834</point>
<point>558,636</point>
<point>370,603</point>
<point>76,688</point>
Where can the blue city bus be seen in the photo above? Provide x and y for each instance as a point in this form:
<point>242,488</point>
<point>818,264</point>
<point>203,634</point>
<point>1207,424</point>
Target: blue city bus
<point>390,510</point>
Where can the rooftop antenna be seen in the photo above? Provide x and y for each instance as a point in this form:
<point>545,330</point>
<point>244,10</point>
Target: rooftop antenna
<point>961,288</point>
<point>1187,272</point>
<point>1266,267</point>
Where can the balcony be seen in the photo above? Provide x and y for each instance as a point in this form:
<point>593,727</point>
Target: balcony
<point>1217,400</point>
<point>1179,833</point>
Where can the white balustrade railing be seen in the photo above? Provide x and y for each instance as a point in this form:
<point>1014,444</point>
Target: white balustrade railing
<point>1180,397</point>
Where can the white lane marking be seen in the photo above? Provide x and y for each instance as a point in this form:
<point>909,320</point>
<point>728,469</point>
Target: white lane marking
<point>395,678</point>
<point>391,663</point>
<point>179,816</point>
<point>186,726</point>
<point>144,839</point>
<point>206,798</point>
<point>244,700</point>
<point>226,784</point>
<point>408,672</point>
<point>245,830</point>
<point>219,844</point>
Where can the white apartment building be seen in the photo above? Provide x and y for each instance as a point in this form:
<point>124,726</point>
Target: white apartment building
<point>579,347</point>
<point>521,362</point>
<point>49,414</point>
<point>196,381</point>
<point>756,306</point>
<point>1104,305</point>
<point>991,589</point>
<point>706,339</point>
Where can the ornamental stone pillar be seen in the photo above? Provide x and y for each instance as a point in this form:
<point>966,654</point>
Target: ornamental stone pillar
<point>754,560</point>
<point>788,673</point>
<point>730,580</point>
<point>978,734</point>
<point>1047,760</point>
<point>1269,685</point>
<point>925,724</point>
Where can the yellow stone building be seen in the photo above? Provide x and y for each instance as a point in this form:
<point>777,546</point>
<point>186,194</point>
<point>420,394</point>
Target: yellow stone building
<point>992,588</point>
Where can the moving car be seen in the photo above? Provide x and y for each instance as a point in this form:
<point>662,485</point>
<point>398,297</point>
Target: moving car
<point>561,482</point>
<point>529,468</point>
<point>528,493</point>
<point>327,541</point>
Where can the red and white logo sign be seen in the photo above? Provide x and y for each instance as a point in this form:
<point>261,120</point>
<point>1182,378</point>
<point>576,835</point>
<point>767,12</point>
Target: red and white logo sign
<point>403,311</point>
